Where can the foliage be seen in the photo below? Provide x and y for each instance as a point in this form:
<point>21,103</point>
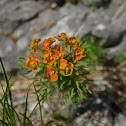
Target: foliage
<point>94,51</point>
<point>120,57</point>
<point>67,85</point>
<point>95,3</point>
<point>72,88</point>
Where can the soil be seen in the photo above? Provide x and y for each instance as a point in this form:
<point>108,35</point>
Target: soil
<point>115,89</point>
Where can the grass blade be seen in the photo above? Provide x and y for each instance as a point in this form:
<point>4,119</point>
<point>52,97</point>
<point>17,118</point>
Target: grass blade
<point>27,119</point>
<point>3,122</point>
<point>10,96</point>
<point>26,103</point>
<point>53,118</point>
<point>39,105</point>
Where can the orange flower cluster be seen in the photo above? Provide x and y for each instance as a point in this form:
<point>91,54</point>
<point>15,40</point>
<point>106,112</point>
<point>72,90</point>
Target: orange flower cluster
<point>56,53</point>
<point>50,55</point>
<point>79,52</point>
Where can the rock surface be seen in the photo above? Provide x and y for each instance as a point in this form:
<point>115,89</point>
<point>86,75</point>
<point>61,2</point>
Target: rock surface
<point>68,19</point>
<point>100,109</point>
<point>113,32</point>
<point>23,21</point>
<point>20,11</point>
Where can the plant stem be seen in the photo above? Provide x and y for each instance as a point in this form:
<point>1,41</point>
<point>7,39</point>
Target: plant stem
<point>10,96</point>
<point>39,105</point>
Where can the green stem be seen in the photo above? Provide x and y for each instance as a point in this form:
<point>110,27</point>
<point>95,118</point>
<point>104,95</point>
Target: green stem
<point>67,47</point>
<point>25,112</point>
<point>10,96</point>
<point>40,48</point>
<point>39,105</point>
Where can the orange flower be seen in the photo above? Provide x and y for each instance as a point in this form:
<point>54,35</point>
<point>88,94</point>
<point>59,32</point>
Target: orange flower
<point>58,50</point>
<point>48,57</point>
<point>32,62</point>
<point>79,53</point>
<point>62,37</point>
<point>68,69</point>
<point>45,55</point>
<point>52,58</point>
<point>50,73</point>
<point>34,46</point>
<point>73,42</point>
<point>62,64</point>
<point>51,40</point>
<point>46,45</point>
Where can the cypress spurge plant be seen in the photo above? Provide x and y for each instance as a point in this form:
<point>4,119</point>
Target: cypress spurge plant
<point>58,69</point>
<point>56,66</point>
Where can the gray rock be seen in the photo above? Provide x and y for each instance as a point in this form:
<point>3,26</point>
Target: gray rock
<point>11,52</point>
<point>28,28</point>
<point>111,53</point>
<point>113,7</point>
<point>84,118</point>
<point>8,26</point>
<point>120,120</point>
<point>53,5</point>
<point>2,2</point>
<point>14,13</point>
<point>111,35</point>
<point>68,19</point>
<point>99,23</point>
<point>71,18</point>
<point>97,20</point>
<point>10,61</point>
<point>98,110</point>
<point>68,25</point>
<point>69,9</point>
<point>113,32</point>
<point>20,11</point>
<point>99,83</point>
<point>121,47</point>
<point>6,46</point>
<point>22,44</point>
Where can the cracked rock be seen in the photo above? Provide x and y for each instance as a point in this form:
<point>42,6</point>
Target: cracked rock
<point>20,11</point>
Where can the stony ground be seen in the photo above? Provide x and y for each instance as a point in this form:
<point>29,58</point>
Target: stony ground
<point>106,106</point>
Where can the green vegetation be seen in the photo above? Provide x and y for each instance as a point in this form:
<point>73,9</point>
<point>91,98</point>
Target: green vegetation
<point>70,88</point>
<point>120,57</point>
<point>95,3</point>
